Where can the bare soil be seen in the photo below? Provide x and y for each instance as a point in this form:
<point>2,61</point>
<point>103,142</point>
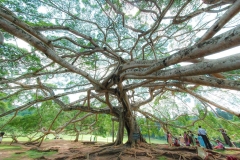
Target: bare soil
<point>69,150</point>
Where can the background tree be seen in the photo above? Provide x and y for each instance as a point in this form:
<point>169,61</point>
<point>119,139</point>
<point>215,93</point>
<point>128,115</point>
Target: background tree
<point>119,57</point>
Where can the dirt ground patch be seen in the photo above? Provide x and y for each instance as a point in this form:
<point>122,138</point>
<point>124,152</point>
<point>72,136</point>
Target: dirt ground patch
<point>69,150</point>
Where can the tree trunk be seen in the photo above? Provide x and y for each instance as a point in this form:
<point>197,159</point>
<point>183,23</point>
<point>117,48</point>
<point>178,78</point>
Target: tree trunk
<point>77,137</point>
<point>133,131</point>
<point>120,134</point>
<point>14,139</point>
<point>128,121</point>
<point>40,143</point>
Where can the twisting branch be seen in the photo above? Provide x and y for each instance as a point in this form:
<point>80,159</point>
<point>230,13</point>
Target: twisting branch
<point>49,52</point>
<point>59,129</point>
<point>181,19</point>
<point>108,102</point>
<point>228,15</point>
<point>88,98</point>
<point>15,114</point>
<point>82,118</point>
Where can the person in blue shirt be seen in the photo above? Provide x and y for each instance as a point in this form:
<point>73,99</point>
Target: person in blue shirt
<point>202,132</point>
<point>200,139</point>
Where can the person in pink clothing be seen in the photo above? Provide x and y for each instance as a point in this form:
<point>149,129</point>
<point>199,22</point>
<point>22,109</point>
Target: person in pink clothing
<point>219,145</point>
<point>169,138</point>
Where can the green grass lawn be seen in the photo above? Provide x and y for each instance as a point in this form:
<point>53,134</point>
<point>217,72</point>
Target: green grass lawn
<point>87,138</point>
<point>8,147</point>
<point>227,152</point>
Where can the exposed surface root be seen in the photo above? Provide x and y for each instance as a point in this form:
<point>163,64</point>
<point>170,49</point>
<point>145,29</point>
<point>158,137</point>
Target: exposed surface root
<point>45,149</point>
<point>146,151</point>
<point>67,150</point>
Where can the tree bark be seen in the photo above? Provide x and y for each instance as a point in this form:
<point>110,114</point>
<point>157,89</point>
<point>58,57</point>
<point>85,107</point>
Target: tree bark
<point>127,120</point>
<point>77,137</point>
<point>14,139</point>
<point>133,131</point>
<point>120,134</point>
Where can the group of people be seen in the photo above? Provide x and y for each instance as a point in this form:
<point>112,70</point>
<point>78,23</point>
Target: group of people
<point>202,140</point>
<point>186,140</point>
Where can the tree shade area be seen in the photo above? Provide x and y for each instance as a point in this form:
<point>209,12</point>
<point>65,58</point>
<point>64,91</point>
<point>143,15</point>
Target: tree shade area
<point>74,65</point>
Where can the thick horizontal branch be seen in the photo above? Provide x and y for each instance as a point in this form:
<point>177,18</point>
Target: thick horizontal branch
<point>82,118</point>
<point>30,75</point>
<point>137,64</point>
<point>49,52</point>
<point>88,109</point>
<point>212,82</point>
<point>219,43</point>
<point>23,25</point>
<point>29,104</point>
<point>206,67</point>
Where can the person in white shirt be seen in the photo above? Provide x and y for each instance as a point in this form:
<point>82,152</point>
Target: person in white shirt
<point>202,132</point>
<point>1,136</point>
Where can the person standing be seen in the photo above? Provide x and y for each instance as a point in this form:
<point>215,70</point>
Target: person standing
<point>169,138</point>
<point>185,138</point>
<point>191,136</point>
<point>181,139</point>
<point>202,132</point>
<point>226,137</point>
<point>1,136</point>
<point>200,139</point>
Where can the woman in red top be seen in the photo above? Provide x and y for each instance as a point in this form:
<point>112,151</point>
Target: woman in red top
<point>176,143</point>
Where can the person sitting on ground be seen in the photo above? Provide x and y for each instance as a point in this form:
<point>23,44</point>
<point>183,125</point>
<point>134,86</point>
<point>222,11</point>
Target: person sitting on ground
<point>219,145</point>
<point>176,143</point>
<point>197,142</point>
